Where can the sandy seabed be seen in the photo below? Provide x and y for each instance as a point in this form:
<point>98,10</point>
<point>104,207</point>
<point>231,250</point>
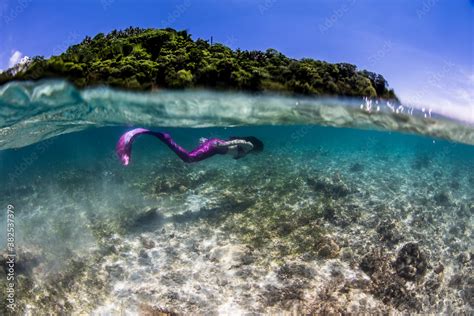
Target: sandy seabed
<point>312,232</point>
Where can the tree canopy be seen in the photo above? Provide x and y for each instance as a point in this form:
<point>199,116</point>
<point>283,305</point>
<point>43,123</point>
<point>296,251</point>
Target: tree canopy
<point>145,59</point>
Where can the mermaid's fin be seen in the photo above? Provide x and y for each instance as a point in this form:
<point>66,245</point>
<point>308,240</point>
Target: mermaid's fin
<point>124,145</point>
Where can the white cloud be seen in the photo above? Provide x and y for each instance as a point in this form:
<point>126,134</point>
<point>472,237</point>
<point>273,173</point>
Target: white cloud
<point>471,78</point>
<point>14,58</point>
<point>427,80</point>
<point>451,95</point>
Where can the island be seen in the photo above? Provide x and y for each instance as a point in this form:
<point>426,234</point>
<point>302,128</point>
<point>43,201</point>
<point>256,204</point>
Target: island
<point>147,59</point>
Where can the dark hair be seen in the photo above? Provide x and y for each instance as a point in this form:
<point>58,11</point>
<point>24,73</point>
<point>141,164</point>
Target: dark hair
<point>257,143</point>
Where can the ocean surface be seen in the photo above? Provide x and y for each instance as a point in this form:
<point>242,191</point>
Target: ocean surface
<point>353,205</point>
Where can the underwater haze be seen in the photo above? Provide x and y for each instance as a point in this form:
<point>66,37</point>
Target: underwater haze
<point>354,205</point>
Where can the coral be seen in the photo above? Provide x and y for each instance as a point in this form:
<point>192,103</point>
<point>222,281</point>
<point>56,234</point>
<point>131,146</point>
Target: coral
<point>328,248</point>
<point>389,232</point>
<point>333,188</point>
<point>411,263</point>
<point>385,282</point>
<point>289,270</point>
<point>443,198</point>
<point>282,295</point>
<point>356,167</point>
<point>150,310</point>
<point>25,260</point>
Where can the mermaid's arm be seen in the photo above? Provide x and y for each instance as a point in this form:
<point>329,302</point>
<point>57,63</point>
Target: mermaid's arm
<point>238,148</point>
<point>246,146</point>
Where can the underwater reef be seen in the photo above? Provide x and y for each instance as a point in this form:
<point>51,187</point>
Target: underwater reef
<point>310,231</point>
<point>144,59</point>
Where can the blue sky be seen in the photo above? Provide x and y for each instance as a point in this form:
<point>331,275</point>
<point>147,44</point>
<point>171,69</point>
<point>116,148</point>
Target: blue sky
<point>423,48</point>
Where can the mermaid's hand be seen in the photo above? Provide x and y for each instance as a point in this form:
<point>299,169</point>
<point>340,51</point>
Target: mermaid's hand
<point>202,140</point>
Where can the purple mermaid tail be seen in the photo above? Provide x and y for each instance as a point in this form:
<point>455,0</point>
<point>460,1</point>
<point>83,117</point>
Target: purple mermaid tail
<point>205,150</point>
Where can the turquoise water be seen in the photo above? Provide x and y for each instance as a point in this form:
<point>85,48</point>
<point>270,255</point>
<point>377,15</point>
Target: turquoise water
<point>351,207</point>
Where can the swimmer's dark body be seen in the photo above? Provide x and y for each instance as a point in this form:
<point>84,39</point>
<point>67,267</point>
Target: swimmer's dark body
<point>238,147</point>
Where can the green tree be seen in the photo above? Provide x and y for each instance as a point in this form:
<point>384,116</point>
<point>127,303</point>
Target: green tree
<point>137,58</point>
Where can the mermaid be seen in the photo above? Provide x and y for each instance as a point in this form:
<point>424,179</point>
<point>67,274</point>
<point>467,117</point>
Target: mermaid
<point>237,147</point>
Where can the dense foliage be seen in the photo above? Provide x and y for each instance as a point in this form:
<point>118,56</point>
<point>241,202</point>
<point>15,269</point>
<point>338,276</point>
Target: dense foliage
<point>151,58</point>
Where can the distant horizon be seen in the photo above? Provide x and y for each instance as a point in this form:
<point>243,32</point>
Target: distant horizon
<point>424,49</point>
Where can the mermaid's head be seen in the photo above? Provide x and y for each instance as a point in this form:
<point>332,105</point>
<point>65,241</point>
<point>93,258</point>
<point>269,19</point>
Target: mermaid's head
<point>257,143</point>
